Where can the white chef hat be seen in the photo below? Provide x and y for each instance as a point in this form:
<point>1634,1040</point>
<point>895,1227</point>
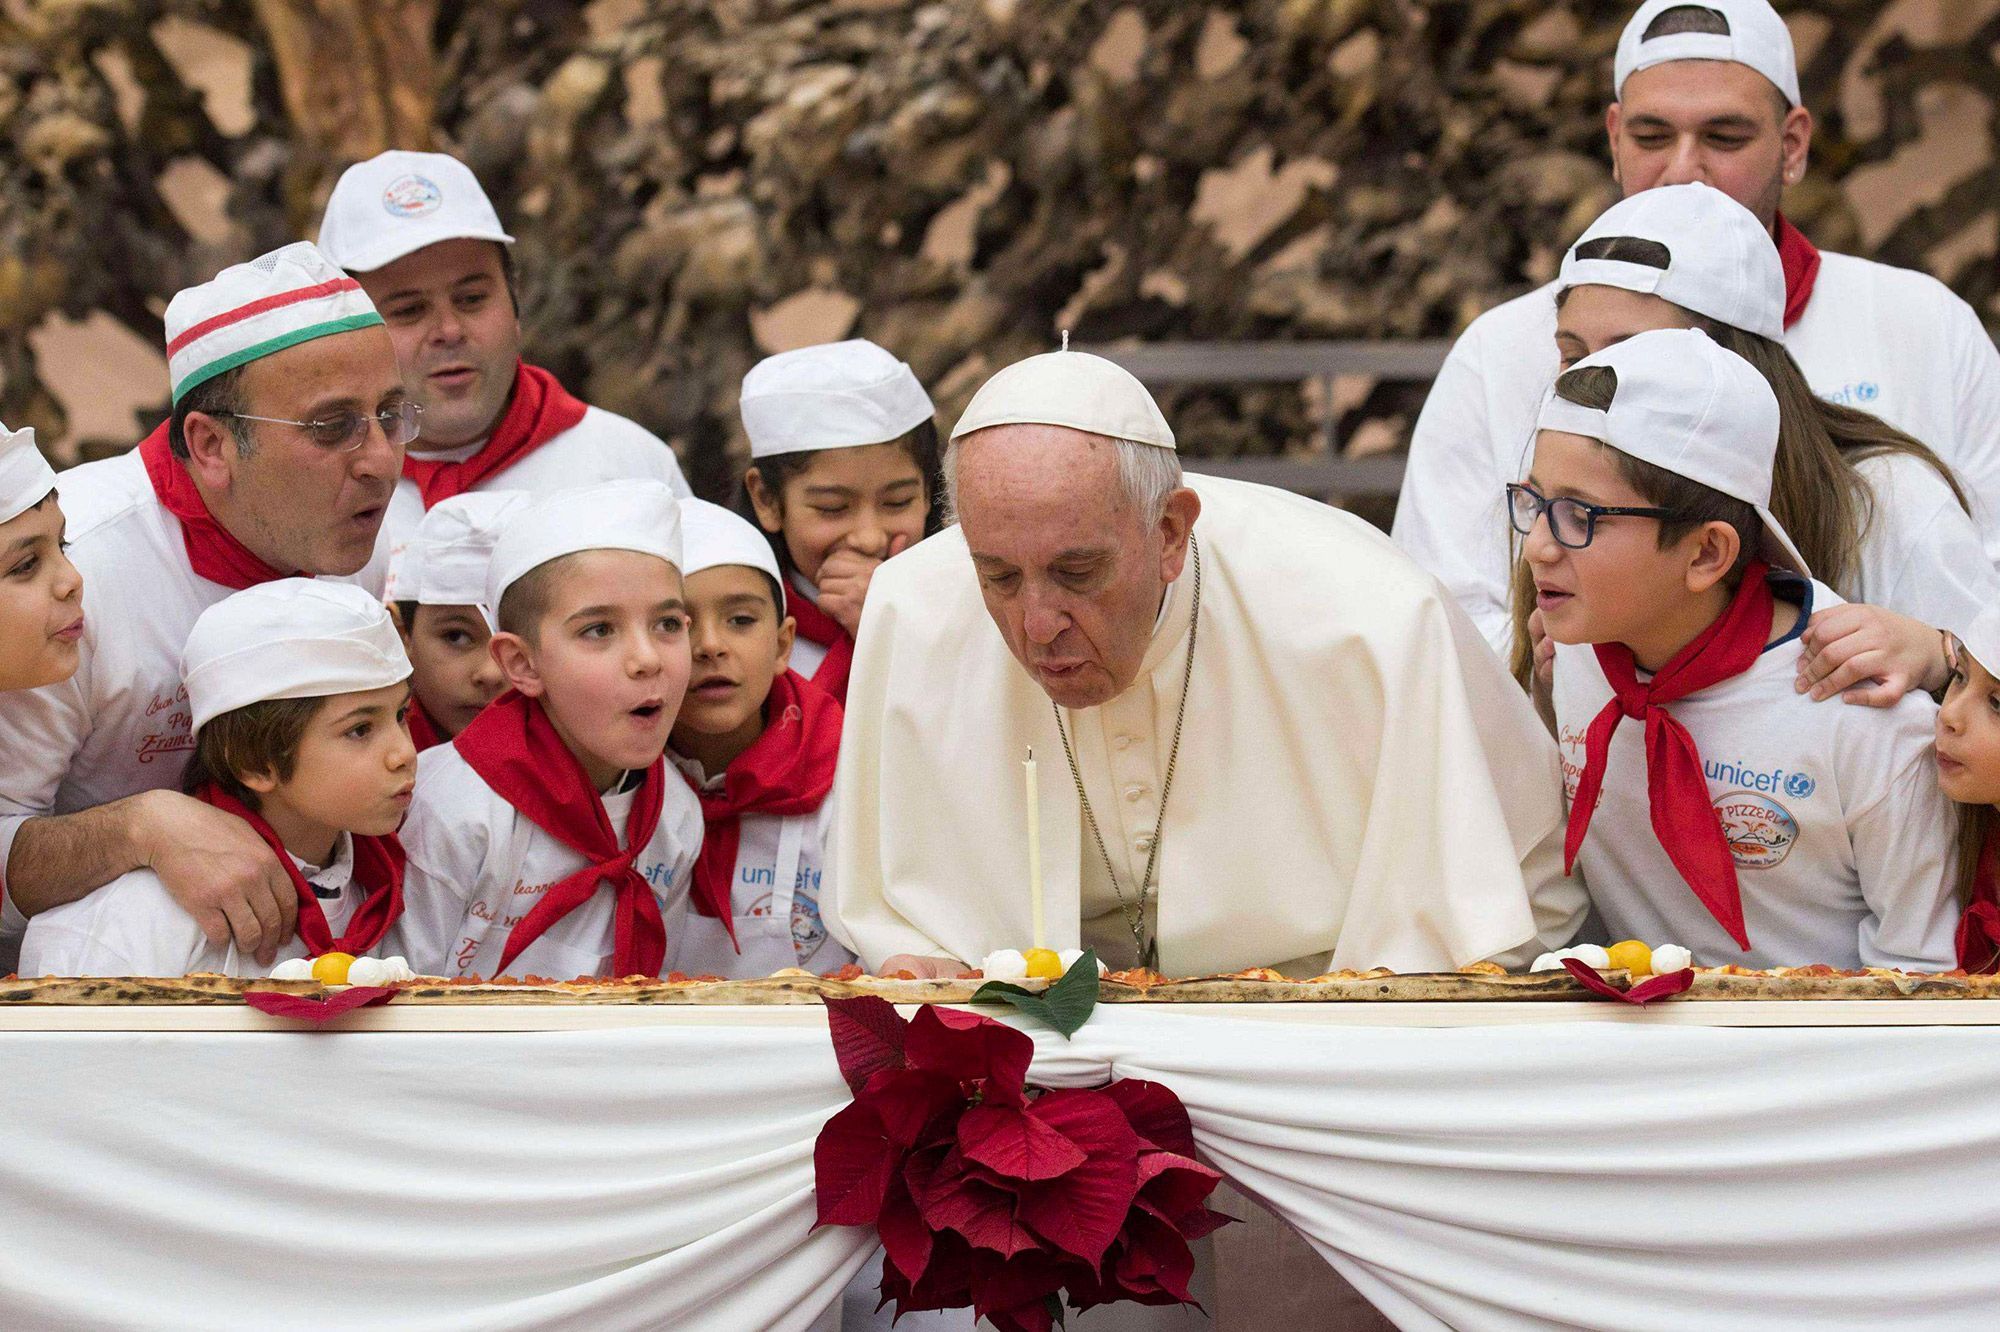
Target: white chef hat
<point>644,516</point>
<point>1757,37</point>
<point>447,559</point>
<point>398,202</point>
<point>1693,408</point>
<point>838,395</point>
<point>712,535</point>
<point>1982,639</point>
<point>25,475</point>
<point>293,638</point>
<point>247,311</point>
<point>1721,262</point>
<point>1066,388</point>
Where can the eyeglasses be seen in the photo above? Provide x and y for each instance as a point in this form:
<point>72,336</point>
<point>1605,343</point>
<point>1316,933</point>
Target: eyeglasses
<point>347,431</point>
<point>1572,522</point>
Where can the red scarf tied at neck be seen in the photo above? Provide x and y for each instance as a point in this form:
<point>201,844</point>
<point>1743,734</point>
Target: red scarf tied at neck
<point>1684,818</point>
<point>514,747</point>
<point>538,411</point>
<point>1801,260</point>
<point>787,770</point>
<point>1979,927</point>
<point>378,868</point>
<point>212,552</point>
<point>816,626</point>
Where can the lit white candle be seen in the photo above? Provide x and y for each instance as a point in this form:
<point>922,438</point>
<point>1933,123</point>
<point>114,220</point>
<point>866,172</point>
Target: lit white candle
<point>1034,846</point>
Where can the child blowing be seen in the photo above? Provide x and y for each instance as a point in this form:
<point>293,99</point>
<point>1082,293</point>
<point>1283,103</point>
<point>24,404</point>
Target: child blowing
<point>446,624</point>
<point>297,689</point>
<point>758,744</point>
<point>41,593</point>
<point>1712,805</point>
<point>550,838</point>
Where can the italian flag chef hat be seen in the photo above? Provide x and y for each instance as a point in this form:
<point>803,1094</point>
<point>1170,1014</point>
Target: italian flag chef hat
<point>248,311</point>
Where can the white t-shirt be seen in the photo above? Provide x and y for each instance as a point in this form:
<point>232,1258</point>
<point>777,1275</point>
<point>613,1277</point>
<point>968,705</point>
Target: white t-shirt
<point>1887,340</point>
<point>478,866</point>
<point>603,446</point>
<point>775,926</point>
<point>119,726</point>
<point>132,927</point>
<point>1842,841</point>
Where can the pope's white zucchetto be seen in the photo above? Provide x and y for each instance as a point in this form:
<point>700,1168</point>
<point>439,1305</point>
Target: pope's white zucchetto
<point>839,395</point>
<point>642,516</point>
<point>1073,389</point>
<point>292,638</point>
<point>25,475</point>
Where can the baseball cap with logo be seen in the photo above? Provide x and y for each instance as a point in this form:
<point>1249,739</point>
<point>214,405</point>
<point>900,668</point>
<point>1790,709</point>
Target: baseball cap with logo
<point>398,202</point>
<point>1753,35</point>
<point>1692,408</point>
<point>1720,261</point>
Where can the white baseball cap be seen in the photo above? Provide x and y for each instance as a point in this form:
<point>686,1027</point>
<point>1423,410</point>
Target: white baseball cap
<point>642,516</point>
<point>1073,389</point>
<point>1721,262</point>
<point>1694,409</point>
<point>1757,37</point>
<point>1982,639</point>
<point>839,395</point>
<point>251,310</point>
<point>292,638</point>
<point>446,561</point>
<point>712,536</point>
<point>25,475</point>
<point>398,202</point>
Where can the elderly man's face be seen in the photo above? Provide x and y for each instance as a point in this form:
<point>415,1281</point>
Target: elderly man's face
<point>1071,571</point>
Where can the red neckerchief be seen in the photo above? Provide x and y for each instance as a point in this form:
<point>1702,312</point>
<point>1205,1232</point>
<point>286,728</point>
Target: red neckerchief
<point>1979,927</point>
<point>378,868</point>
<point>538,411</point>
<point>1684,817</point>
<point>816,626</point>
<point>1801,260</point>
<point>514,747</point>
<point>787,770</point>
<point>212,552</point>
<point>424,733</point>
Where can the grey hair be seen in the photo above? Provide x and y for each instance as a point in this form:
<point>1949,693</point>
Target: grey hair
<point>1148,474</point>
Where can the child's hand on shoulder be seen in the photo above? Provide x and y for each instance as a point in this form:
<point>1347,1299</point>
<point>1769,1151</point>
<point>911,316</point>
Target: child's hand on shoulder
<point>1868,656</point>
<point>843,582</point>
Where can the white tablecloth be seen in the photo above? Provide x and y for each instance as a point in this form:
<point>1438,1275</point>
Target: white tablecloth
<point>1571,1174</point>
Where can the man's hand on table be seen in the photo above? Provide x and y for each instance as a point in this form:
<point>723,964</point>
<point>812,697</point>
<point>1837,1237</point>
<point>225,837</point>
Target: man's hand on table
<point>220,872</point>
<point>923,968</point>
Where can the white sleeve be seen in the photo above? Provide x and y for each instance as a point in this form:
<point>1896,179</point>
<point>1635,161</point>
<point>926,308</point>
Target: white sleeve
<point>1449,518</point>
<point>1922,555</point>
<point>442,872</point>
<point>41,732</point>
<point>1977,409</point>
<point>1902,840</point>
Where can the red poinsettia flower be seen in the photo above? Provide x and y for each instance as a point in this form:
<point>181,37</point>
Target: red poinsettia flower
<point>992,1195</point>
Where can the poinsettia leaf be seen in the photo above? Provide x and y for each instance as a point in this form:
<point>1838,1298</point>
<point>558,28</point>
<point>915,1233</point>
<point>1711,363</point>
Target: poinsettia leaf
<point>853,1160</point>
<point>969,1047</point>
<point>1063,1007</point>
<point>1081,1212</point>
<point>1174,1183</point>
<point>980,1213</point>
<point>1016,1144</point>
<point>1155,1113</point>
<point>909,1100</point>
<point>1013,1285</point>
<point>905,1238</point>
<point>868,1035</point>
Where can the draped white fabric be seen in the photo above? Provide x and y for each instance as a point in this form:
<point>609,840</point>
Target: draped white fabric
<point>1570,1175</point>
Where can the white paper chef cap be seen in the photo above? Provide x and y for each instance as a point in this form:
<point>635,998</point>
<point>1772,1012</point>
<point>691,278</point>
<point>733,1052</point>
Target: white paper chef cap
<point>293,638</point>
<point>248,311</point>
<point>1721,262</point>
<point>398,202</point>
<point>25,475</point>
<point>643,516</point>
<point>1693,408</point>
<point>839,395</point>
<point>447,559</point>
<point>1982,639</point>
<point>1066,388</point>
<point>712,535</point>
<point>1757,37</point>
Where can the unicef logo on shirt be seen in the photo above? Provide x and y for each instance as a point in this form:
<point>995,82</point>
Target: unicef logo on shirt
<point>1759,830</point>
<point>1799,786</point>
<point>412,196</point>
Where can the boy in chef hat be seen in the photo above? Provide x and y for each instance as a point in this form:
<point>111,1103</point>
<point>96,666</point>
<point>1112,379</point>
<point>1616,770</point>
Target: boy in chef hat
<point>297,689</point>
<point>41,593</point>
<point>441,605</point>
<point>758,744</point>
<point>1711,804</point>
<point>549,838</point>
<point>1968,772</point>
<point>844,464</point>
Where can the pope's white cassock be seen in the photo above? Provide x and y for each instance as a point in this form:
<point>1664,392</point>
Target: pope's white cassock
<point>1359,780</point>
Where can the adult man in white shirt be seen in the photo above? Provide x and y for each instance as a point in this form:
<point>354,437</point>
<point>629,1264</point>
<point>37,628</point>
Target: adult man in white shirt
<point>419,234</point>
<point>284,446</point>
<point>1706,92</point>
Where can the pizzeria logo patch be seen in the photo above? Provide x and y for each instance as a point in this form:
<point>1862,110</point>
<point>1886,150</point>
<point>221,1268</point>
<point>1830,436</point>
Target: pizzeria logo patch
<point>1759,830</point>
<point>412,196</point>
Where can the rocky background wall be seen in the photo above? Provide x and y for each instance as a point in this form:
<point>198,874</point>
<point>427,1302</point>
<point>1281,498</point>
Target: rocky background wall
<point>696,183</point>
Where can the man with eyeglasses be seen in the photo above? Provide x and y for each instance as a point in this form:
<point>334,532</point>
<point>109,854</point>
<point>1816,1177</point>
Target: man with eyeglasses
<point>420,235</point>
<point>284,446</point>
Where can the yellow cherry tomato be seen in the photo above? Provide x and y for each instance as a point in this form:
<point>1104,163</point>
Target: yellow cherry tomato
<point>1044,963</point>
<point>331,968</point>
<point>1632,956</point>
